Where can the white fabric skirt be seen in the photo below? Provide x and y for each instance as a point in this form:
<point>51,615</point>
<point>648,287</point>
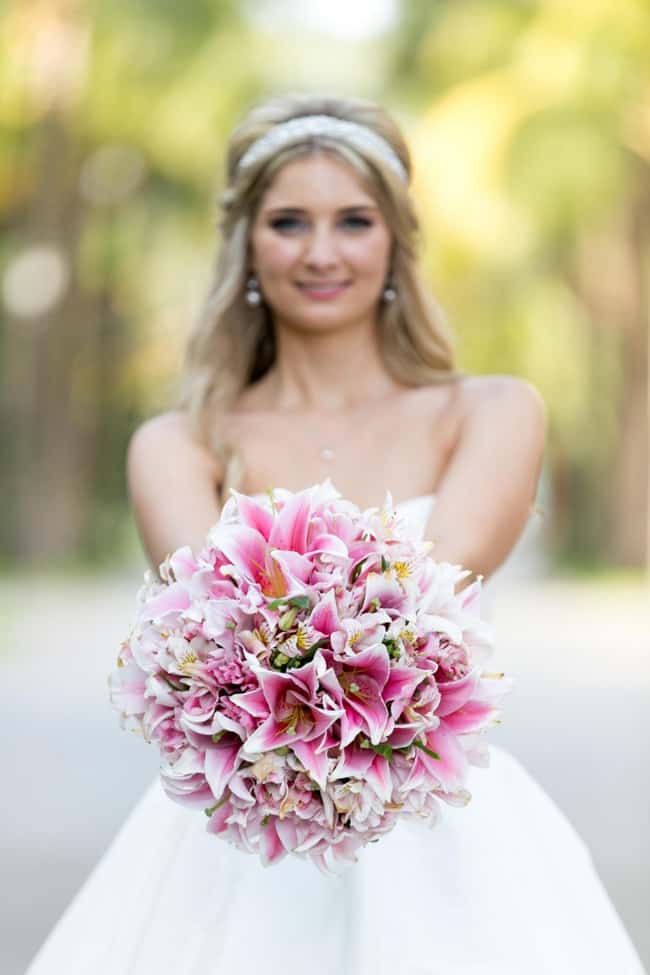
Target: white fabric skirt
<point>503,886</point>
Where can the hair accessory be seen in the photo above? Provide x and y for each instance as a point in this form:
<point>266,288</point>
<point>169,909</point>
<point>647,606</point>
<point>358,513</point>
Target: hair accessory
<point>253,296</point>
<point>306,126</point>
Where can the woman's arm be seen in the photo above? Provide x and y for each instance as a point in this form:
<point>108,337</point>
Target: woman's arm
<point>489,486</point>
<point>172,485</point>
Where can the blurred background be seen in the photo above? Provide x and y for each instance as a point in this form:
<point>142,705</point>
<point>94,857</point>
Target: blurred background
<point>529,123</point>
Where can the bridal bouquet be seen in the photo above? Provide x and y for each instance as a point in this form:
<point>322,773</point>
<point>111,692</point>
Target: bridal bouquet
<point>310,677</point>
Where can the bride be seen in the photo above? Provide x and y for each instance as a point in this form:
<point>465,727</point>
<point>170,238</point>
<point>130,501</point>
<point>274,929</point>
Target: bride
<point>320,354</point>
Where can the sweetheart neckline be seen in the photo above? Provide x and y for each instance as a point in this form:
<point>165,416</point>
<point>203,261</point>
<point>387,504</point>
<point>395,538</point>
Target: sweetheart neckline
<point>398,504</point>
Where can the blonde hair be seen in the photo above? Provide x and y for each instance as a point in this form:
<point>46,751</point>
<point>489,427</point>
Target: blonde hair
<point>232,345</point>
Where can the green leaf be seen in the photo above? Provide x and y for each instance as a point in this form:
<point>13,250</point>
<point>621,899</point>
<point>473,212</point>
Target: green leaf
<point>384,564</point>
<point>300,602</point>
<point>392,649</point>
<point>177,687</point>
<point>418,744</point>
<point>308,655</point>
<point>356,572</point>
<point>383,749</point>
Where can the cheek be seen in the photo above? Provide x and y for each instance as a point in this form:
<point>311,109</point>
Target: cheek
<point>370,257</point>
<point>274,255</point>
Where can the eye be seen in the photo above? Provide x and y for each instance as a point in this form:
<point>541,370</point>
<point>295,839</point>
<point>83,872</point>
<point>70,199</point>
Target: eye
<point>285,223</point>
<point>357,223</point>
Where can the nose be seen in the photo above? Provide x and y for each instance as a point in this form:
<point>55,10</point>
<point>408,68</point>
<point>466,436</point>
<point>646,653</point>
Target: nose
<point>320,248</point>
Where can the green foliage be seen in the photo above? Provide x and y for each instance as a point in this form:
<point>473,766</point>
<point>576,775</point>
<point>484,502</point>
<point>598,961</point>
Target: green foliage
<point>528,120</point>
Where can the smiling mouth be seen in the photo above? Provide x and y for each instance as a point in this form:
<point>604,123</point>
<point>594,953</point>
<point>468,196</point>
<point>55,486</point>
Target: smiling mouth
<point>322,287</point>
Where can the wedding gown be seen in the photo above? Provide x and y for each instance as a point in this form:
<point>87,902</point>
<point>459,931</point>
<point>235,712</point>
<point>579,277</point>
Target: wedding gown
<point>503,886</point>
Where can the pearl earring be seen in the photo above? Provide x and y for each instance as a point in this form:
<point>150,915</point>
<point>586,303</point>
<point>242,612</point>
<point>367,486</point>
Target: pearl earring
<point>253,296</point>
<point>390,294</point>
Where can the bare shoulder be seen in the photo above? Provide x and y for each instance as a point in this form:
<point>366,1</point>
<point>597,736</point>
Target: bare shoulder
<point>168,439</point>
<point>172,481</point>
<point>500,450</point>
<point>173,423</point>
<point>503,400</point>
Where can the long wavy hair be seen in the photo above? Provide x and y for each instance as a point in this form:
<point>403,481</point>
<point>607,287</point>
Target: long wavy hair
<point>232,344</point>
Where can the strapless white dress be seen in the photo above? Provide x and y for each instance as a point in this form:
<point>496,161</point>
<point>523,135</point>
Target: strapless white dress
<point>503,886</point>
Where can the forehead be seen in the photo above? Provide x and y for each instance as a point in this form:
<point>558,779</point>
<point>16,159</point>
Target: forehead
<point>321,179</point>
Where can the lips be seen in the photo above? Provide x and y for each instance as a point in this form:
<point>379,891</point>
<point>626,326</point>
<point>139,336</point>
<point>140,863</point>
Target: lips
<point>322,289</point>
<point>322,285</point>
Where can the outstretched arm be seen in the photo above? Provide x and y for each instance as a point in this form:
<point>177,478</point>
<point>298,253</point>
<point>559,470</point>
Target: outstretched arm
<point>172,485</point>
<point>489,486</point>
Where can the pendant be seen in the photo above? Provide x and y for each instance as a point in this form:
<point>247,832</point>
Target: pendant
<point>327,454</point>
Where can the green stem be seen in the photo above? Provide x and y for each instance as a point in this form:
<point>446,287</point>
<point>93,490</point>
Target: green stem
<point>418,744</point>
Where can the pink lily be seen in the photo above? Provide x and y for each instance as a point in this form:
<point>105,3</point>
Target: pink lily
<point>173,599</point>
<point>291,524</point>
<point>291,707</point>
<point>362,679</point>
<point>324,616</point>
<point>253,514</point>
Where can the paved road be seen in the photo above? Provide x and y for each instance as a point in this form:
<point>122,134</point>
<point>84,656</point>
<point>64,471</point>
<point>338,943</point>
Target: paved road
<point>579,720</point>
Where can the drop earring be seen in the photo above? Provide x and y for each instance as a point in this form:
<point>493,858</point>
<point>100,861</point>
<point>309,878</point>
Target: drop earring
<point>253,296</point>
<point>389,294</point>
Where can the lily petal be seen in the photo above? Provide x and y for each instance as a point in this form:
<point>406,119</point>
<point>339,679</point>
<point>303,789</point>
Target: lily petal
<point>314,761</point>
<point>289,530</point>
<point>253,514</point>
<point>324,616</point>
<point>220,763</point>
<point>450,769</point>
<point>173,599</point>
<point>455,693</point>
<point>271,847</point>
<point>379,777</point>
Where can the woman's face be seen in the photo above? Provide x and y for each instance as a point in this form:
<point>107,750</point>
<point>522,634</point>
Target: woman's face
<point>320,246</point>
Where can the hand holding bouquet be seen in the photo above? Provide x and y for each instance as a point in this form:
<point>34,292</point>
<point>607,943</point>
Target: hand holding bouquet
<point>310,677</point>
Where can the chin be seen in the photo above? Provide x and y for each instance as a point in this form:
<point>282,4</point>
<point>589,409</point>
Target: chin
<point>324,323</point>
<point>324,317</point>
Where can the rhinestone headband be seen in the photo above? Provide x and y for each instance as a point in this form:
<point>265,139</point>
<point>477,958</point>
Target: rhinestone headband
<point>299,129</point>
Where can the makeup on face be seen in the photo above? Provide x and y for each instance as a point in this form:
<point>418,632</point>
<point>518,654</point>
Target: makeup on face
<point>319,235</point>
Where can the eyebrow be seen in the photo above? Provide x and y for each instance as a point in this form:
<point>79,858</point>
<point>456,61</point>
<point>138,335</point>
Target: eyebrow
<point>342,210</point>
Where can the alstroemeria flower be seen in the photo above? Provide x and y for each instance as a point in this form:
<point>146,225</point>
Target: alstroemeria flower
<point>357,633</point>
<point>384,593</point>
<point>127,685</point>
<point>365,763</point>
